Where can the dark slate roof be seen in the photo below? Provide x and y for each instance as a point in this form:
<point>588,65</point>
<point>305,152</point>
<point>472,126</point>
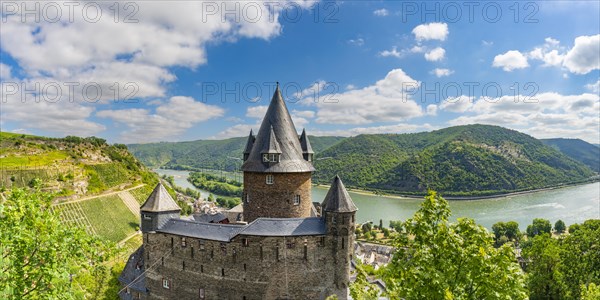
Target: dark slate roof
<point>305,143</point>
<point>271,145</point>
<point>249,143</point>
<point>291,160</point>
<point>133,273</point>
<point>160,201</point>
<point>210,218</point>
<point>208,231</point>
<point>285,227</point>
<point>337,198</point>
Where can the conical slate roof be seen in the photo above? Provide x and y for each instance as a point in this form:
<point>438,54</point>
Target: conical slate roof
<point>160,201</point>
<point>249,143</point>
<point>337,198</point>
<point>305,144</point>
<point>277,123</point>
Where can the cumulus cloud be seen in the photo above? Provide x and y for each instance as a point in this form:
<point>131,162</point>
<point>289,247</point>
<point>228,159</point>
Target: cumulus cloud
<point>386,100</point>
<point>594,87</point>
<point>394,52</point>
<point>5,71</point>
<point>435,54</point>
<point>356,42</point>
<point>584,56</point>
<point>169,119</point>
<point>381,12</point>
<point>396,128</point>
<point>431,31</point>
<point>510,60</point>
<point>545,115</point>
<point>441,72</point>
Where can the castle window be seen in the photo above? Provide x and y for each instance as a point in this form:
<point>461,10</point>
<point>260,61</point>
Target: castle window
<point>224,248</point>
<point>172,243</point>
<point>305,251</point>
<point>166,283</point>
<point>310,157</point>
<point>201,293</point>
<point>244,267</point>
<point>343,243</point>
<point>183,265</point>
<point>247,198</point>
<point>222,271</point>
<point>183,242</point>
<point>290,245</point>
<point>201,268</point>
<point>245,242</point>
<point>201,245</point>
<point>147,217</point>
<point>296,199</point>
<point>273,157</point>
<point>322,241</point>
<point>192,251</point>
<point>270,179</point>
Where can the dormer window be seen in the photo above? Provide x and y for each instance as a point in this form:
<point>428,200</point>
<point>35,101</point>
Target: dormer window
<point>310,157</point>
<point>271,157</point>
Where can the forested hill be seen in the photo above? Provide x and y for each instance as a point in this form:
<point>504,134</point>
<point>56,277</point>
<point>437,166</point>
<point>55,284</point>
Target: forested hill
<point>578,150</point>
<point>459,161</point>
<point>216,154</point>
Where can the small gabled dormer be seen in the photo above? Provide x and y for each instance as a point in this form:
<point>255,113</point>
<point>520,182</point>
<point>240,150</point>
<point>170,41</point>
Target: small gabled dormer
<point>307,151</point>
<point>158,209</point>
<point>271,152</point>
<point>249,145</point>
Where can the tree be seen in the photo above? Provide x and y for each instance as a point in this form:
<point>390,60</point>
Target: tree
<point>40,255</point>
<point>545,279</point>
<point>467,266</point>
<point>590,292</point>
<point>580,258</point>
<point>560,226</point>
<point>539,226</point>
<point>380,224</point>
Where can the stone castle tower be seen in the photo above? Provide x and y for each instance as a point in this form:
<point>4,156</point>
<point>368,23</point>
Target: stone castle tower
<point>277,168</point>
<point>284,249</point>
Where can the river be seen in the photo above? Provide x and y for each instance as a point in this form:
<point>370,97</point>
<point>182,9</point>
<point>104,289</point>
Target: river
<point>572,204</point>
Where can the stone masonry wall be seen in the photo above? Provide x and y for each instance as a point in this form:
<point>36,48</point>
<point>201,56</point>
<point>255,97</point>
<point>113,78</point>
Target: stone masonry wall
<point>276,200</point>
<point>248,267</point>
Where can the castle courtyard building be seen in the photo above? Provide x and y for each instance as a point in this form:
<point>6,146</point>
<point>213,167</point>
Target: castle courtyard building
<point>286,247</point>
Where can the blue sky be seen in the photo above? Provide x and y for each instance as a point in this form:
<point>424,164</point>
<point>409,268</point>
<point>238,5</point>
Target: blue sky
<point>377,67</point>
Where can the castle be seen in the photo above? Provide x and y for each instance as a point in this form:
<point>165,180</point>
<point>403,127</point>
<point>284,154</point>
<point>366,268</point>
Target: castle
<point>287,246</point>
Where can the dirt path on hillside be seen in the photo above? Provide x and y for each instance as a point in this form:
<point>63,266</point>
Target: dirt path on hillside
<point>101,195</point>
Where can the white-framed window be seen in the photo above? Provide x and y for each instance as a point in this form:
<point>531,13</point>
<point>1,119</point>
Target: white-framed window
<point>166,283</point>
<point>183,242</point>
<point>201,293</point>
<point>147,217</point>
<point>272,157</point>
<point>247,198</point>
<point>270,179</point>
<point>296,199</point>
<point>310,157</point>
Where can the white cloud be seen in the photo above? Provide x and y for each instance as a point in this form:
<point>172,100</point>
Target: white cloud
<point>385,101</point>
<point>487,43</point>
<point>169,120</point>
<point>309,114</point>
<point>394,52</point>
<point>594,87</point>
<point>435,54</point>
<point>431,31</point>
<point>543,116</point>
<point>584,56</point>
<point>257,112</point>
<point>432,110</point>
<point>459,104</point>
<point>396,128</point>
<point>5,71</point>
<point>441,72</point>
<point>417,49</point>
<point>381,12</point>
<point>357,42</point>
<point>510,60</point>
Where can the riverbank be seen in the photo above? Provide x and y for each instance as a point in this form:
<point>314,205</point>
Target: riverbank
<point>461,198</point>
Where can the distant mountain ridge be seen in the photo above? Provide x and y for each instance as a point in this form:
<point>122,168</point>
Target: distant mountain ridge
<point>582,151</point>
<point>217,154</point>
<point>465,160</point>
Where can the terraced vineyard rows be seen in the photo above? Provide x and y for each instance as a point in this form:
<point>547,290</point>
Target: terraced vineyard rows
<point>73,214</point>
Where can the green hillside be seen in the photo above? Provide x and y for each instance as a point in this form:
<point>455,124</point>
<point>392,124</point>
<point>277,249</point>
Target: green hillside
<point>579,150</point>
<point>72,166</point>
<point>461,160</point>
<point>214,154</point>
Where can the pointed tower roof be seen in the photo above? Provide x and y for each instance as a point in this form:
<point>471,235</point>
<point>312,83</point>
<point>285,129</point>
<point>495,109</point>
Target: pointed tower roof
<point>337,198</point>
<point>304,143</point>
<point>249,143</point>
<point>160,201</point>
<point>277,126</point>
<point>272,145</point>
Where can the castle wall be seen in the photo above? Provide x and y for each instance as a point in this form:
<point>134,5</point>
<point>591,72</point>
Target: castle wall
<point>276,200</point>
<point>248,267</point>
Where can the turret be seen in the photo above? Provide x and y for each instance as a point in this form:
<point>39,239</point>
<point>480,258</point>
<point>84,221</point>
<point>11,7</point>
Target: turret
<point>158,209</point>
<point>277,177</point>
<point>339,211</point>
<point>307,151</point>
<point>249,144</point>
